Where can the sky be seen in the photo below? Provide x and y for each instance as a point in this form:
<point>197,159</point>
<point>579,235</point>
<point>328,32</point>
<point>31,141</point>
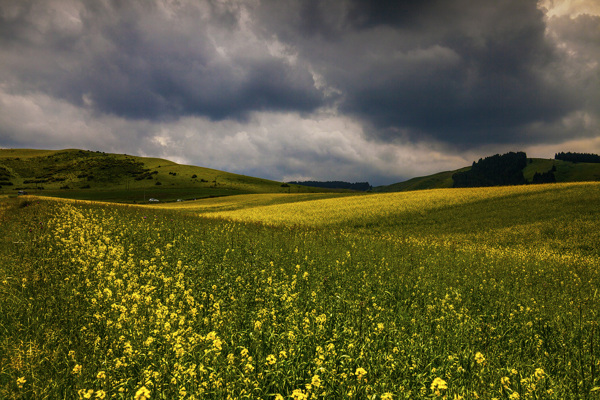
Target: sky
<point>352,90</point>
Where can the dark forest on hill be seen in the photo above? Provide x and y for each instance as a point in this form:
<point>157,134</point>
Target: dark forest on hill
<point>496,170</point>
<point>578,157</point>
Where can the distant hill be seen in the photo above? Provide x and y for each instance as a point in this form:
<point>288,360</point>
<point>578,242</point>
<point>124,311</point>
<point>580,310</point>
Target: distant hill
<point>360,186</point>
<point>439,180</point>
<point>565,171</point>
<point>93,175</point>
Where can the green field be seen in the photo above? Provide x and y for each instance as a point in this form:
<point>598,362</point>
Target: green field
<point>487,293</point>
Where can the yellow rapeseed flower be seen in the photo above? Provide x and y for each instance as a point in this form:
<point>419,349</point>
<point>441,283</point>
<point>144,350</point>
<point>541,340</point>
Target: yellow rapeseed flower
<point>217,343</point>
<point>387,396</point>
<point>77,369</point>
<point>298,394</point>
<point>85,394</point>
<point>479,358</point>
<point>360,373</point>
<point>248,368</point>
<point>539,373</point>
<point>142,394</point>
<point>316,381</point>
<point>437,385</point>
<point>21,381</point>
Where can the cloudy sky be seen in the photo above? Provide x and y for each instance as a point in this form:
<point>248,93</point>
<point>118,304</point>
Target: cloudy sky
<point>352,90</point>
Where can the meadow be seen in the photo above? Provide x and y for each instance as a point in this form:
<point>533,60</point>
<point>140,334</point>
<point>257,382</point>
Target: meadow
<point>487,293</point>
<point>97,176</point>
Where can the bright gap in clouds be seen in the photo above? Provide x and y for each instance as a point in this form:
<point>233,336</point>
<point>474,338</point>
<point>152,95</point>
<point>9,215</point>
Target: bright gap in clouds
<point>571,8</point>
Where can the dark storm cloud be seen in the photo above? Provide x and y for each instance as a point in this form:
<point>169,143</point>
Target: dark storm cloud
<point>403,13</point>
<point>459,71</point>
<point>133,60</point>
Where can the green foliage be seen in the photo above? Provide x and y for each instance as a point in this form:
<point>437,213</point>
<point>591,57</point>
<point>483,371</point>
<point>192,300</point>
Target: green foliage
<point>4,174</point>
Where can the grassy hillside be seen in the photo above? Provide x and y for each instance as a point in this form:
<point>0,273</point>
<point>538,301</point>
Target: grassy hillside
<point>448,293</point>
<point>91,175</point>
<point>565,172</point>
<point>439,180</point>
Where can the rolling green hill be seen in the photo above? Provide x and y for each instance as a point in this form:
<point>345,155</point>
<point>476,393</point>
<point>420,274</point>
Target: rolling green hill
<point>440,180</point>
<point>565,172</point>
<point>90,175</point>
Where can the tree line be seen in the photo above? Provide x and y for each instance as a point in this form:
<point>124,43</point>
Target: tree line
<point>578,157</point>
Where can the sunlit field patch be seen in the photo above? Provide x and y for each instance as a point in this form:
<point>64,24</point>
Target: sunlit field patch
<point>245,202</point>
<point>383,208</point>
<point>475,293</point>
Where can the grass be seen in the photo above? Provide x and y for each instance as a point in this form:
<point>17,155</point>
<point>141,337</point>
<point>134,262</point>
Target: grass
<point>122,178</point>
<point>436,181</point>
<point>454,293</point>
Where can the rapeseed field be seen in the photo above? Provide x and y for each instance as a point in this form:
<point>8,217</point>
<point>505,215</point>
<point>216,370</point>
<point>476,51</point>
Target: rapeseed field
<point>447,294</point>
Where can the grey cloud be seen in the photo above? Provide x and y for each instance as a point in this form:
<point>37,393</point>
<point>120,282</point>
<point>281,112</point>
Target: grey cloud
<point>134,60</point>
<point>402,13</point>
<point>458,71</point>
<point>579,41</point>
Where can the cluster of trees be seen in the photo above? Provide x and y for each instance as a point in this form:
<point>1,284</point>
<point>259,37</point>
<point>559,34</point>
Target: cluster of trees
<point>360,186</point>
<point>144,174</point>
<point>496,170</point>
<point>545,177</point>
<point>578,157</point>
<point>5,176</point>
